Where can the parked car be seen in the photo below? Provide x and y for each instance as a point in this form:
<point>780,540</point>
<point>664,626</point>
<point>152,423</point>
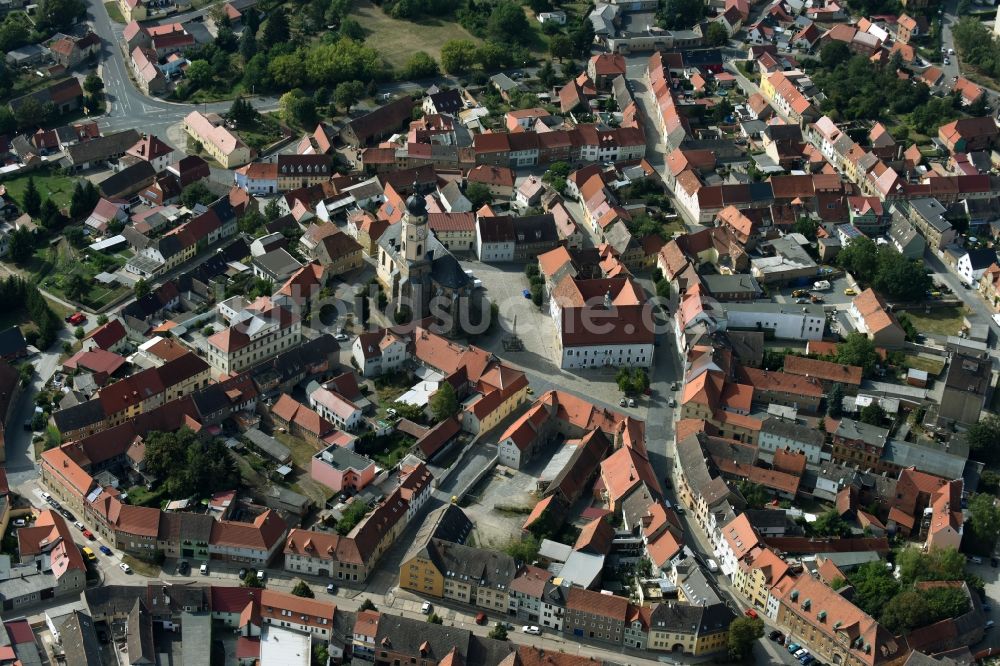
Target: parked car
<point>89,554</point>
<point>975,559</point>
<point>105,550</point>
<point>331,589</point>
<point>480,618</point>
<point>793,648</point>
<point>204,569</point>
<point>751,613</point>
<point>850,292</point>
<point>801,301</point>
<point>78,525</point>
<point>183,567</point>
<point>261,575</point>
<point>124,567</point>
<point>20,522</point>
<point>526,293</point>
<point>426,608</point>
<point>531,629</point>
<point>88,534</point>
<point>631,402</point>
<point>76,318</point>
<point>243,573</point>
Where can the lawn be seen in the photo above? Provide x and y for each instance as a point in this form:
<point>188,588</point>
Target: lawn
<point>933,366</point>
<point>263,133</point>
<point>55,265</point>
<point>140,496</point>
<point>388,389</point>
<point>50,185</point>
<point>141,567</point>
<point>302,453</point>
<point>114,13</point>
<point>939,321</point>
<point>406,37</point>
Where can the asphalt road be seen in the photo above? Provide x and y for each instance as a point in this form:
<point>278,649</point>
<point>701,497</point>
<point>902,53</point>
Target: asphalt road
<point>129,107</point>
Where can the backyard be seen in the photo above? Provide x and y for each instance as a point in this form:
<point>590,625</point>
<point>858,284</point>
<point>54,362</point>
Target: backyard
<point>938,321</point>
<point>933,366</point>
<point>50,184</point>
<point>302,453</point>
<point>56,265</point>
<point>386,451</point>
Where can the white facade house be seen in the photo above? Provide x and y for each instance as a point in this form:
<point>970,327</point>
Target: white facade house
<point>788,322</point>
<point>778,433</point>
<point>973,264</point>
<point>377,354</point>
<point>335,408</point>
<point>493,242</point>
<point>594,356</point>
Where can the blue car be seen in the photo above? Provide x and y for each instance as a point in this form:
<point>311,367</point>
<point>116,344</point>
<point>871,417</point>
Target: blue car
<point>793,648</point>
<point>105,550</point>
<point>807,659</point>
<point>526,293</point>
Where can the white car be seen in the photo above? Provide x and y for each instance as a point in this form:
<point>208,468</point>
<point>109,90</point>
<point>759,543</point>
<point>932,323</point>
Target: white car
<point>531,629</point>
<point>426,608</point>
<point>78,525</point>
<point>124,567</point>
<point>204,569</point>
<point>340,337</point>
<point>262,575</point>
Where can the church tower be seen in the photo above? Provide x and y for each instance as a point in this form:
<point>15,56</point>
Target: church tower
<point>414,232</point>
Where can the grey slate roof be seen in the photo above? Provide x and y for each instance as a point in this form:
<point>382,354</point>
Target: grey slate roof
<point>102,147</point>
<point>79,640</point>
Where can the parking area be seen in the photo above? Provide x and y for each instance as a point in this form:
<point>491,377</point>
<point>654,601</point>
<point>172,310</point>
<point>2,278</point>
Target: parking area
<point>498,505</point>
<point>834,296</point>
<point>519,317</point>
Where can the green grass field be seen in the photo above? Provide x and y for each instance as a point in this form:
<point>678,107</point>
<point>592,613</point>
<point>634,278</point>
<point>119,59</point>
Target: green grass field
<point>406,37</point>
<point>114,13</point>
<point>932,366</point>
<point>50,185</point>
<point>940,321</point>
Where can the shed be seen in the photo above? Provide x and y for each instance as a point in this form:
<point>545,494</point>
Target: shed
<point>269,445</point>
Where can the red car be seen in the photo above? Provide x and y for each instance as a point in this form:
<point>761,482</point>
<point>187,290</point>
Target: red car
<point>750,613</point>
<point>88,534</point>
<point>76,318</point>
<point>481,618</point>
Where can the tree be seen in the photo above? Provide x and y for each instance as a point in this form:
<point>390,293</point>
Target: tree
<point>873,585</point>
<point>248,45</point>
<point>984,517</point>
<point>251,580</point>
<point>93,85</point>
<point>196,193</point>
<point>275,30</point>
<point>59,14</point>
<point>858,350</point>
<point>85,197</point>
<point>716,34</point>
<point>367,604</point>
<point>493,56</point>
<point>743,633</point>
<point>508,23</point>
<point>680,14</point>
<point>873,414</point>
<point>478,194</point>
<point>457,55</point>
<point>537,295</point>
<point>78,333</point>
<point>32,113</point>
<point>756,495</point>
<point>141,288</point>
<point>102,319</point>
<point>302,589</point>
<point>321,653</point>
<point>186,466</point>
<point>561,47</point>
<point>835,401</point>
<point>984,438</point>
<point>420,66</point>
<point>860,258</point>
<point>807,227</point>
<point>242,112</point>
<point>524,550</point>
<point>936,564</point>
<point>434,619</point>
<point>21,245</point>
<point>199,73</point>
<point>546,74</point>
<point>272,210</point>
<point>444,402</point>
<point>31,200</point>
<point>251,222</point>
<point>829,523</point>
<point>833,53</point>
<point>75,287</point>
<point>912,609</point>
<point>297,107</point>
<point>347,94</point>
<point>499,632</point>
